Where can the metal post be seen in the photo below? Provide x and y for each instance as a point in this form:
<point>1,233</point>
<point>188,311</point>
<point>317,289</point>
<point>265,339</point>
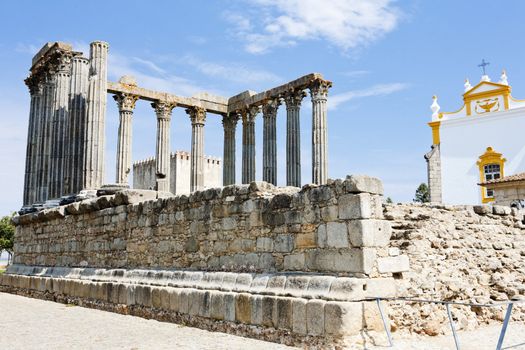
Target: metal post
<point>388,335</point>
<point>504,327</point>
<point>456,340</point>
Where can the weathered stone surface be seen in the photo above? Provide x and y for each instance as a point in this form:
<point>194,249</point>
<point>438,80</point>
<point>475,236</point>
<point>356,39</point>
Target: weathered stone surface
<point>343,318</point>
<point>393,264</point>
<point>369,233</point>
<point>134,196</point>
<point>336,235</point>
<point>315,317</point>
<point>363,183</point>
<point>299,316</point>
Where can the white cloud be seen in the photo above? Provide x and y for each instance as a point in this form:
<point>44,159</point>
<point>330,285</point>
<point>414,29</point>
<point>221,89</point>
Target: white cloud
<point>346,24</point>
<point>381,89</point>
<point>232,71</point>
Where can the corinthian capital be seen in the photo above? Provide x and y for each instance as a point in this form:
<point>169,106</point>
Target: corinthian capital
<point>63,63</point>
<point>197,115</point>
<point>35,84</point>
<point>270,107</point>
<point>229,120</point>
<point>163,109</point>
<point>319,89</point>
<point>125,102</point>
<point>293,98</point>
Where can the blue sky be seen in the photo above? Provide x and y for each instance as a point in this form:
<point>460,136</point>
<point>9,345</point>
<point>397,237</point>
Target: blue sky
<point>386,59</point>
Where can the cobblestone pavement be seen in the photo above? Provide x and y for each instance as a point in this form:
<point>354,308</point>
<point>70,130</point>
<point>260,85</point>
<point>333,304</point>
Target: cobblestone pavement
<point>27,323</point>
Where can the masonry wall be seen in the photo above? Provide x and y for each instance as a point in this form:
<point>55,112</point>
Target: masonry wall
<point>457,253</point>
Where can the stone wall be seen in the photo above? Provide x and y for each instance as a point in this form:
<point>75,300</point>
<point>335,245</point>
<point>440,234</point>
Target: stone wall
<point>319,251</point>
<point>457,253</point>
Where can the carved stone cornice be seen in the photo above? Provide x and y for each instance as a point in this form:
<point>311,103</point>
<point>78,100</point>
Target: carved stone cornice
<point>197,115</point>
<point>35,83</point>
<point>319,89</point>
<point>249,113</point>
<point>270,107</point>
<point>163,109</point>
<point>293,98</point>
<point>125,102</point>
<point>63,62</point>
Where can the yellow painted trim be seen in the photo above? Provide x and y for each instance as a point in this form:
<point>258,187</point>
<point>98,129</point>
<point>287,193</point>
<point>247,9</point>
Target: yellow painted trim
<point>516,99</point>
<point>489,157</point>
<point>435,132</point>
<point>469,108</point>
<point>499,86</point>
<point>506,101</point>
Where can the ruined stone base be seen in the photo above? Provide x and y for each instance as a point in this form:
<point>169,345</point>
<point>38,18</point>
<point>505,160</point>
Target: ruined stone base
<point>299,310</point>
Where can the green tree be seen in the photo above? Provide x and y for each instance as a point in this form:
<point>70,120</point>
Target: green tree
<point>422,194</point>
<point>389,200</point>
<point>7,233</point>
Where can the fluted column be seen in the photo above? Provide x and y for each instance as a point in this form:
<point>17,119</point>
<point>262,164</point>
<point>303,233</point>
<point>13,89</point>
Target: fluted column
<point>126,105</point>
<point>77,125</point>
<point>162,166</point>
<point>94,140</point>
<point>44,167</point>
<point>229,122</point>
<point>293,137</point>
<point>33,134</point>
<point>198,117</point>
<point>270,140</point>
<point>319,93</point>
<point>248,144</point>
<point>60,120</point>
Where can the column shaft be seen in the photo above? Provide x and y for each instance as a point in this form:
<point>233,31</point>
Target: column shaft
<point>319,93</point>
<point>126,104</point>
<point>293,138</point>
<point>47,132</point>
<point>198,117</point>
<point>248,144</point>
<point>60,120</point>
<point>35,89</point>
<point>270,141</point>
<point>162,166</point>
<point>77,125</point>
<point>229,122</point>
<point>94,140</point>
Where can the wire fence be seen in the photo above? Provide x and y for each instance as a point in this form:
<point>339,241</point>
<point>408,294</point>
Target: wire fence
<point>509,304</point>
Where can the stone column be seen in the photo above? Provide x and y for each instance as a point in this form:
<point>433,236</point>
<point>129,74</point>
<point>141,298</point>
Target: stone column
<point>94,140</point>
<point>198,117</point>
<point>293,137</point>
<point>433,159</point>
<point>126,105</point>
<point>77,125</point>
<point>248,144</point>
<point>162,167</point>
<point>270,140</point>
<point>47,131</point>
<point>319,92</point>
<point>33,134</point>
<point>229,122</point>
<point>60,120</point>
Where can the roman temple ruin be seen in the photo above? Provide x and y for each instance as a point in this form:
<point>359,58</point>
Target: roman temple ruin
<point>66,133</point>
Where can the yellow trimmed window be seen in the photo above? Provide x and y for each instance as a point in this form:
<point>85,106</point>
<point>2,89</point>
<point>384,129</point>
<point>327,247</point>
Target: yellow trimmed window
<point>491,166</point>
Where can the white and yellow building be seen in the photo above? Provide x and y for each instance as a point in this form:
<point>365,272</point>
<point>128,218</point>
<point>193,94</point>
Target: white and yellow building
<point>481,141</point>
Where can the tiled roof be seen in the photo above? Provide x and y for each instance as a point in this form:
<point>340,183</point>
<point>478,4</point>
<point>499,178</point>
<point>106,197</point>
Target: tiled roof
<point>510,178</point>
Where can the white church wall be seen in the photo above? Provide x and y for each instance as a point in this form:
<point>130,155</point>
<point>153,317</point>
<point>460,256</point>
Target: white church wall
<point>464,140</point>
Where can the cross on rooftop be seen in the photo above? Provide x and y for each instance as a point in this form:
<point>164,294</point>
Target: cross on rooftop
<point>483,65</point>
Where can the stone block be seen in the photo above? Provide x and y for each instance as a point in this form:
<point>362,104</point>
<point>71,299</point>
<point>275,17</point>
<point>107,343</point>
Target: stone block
<point>319,286</point>
<point>369,233</point>
<point>283,313</point>
<point>205,309</point>
<point>259,283</point>
<point>501,210</point>
<point>380,287</point>
<point>305,240</point>
<point>315,317</point>
<point>482,209</point>
<point>113,292</point>
<point>131,295</point>
<point>294,262</point>
<point>276,284</point>
<point>360,206</point>
<point>393,264</point>
<point>143,295</point>
<point>284,243</point>
<point>321,236</point>
<point>184,300</point>
<point>155,297</point>
<point>336,235</point>
<point>346,288</point>
<point>363,183</point>
<point>264,244</point>
<point>256,310</point>
<point>243,308</point>
<point>195,301</point>
<point>243,282</point>
<point>174,299</point>
<point>133,196</point>
<point>266,262</point>
<point>299,316</point>
<point>296,285</point>
<point>216,305</point>
<point>359,260</point>
<point>268,303</point>
<point>341,318</point>
<point>122,293</point>
<point>229,303</point>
